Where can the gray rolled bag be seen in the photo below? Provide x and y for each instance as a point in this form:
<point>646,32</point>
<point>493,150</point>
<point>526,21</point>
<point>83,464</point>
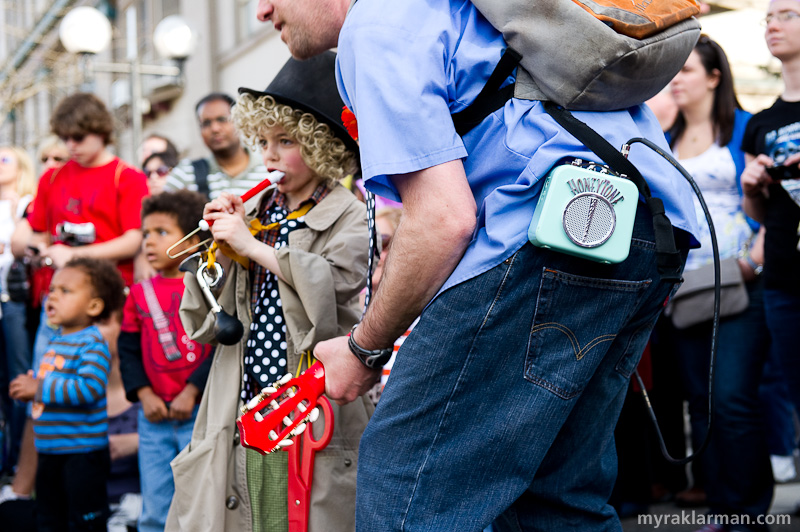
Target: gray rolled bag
<point>574,59</point>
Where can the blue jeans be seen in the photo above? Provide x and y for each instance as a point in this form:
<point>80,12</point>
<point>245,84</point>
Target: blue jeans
<point>736,464</point>
<point>159,443</point>
<point>777,408</point>
<point>783,316</point>
<point>18,359</point>
<point>18,349</point>
<point>504,398</point>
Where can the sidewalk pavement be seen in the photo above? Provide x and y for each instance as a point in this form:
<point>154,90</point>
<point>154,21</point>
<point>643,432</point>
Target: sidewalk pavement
<point>667,517</point>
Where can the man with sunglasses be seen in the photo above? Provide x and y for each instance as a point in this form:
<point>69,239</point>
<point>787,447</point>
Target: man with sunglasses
<point>231,167</point>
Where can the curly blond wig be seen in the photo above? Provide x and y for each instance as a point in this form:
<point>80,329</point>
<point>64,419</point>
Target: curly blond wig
<point>322,151</point>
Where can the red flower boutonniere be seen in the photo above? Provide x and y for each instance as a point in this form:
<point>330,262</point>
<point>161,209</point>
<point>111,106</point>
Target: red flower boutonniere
<point>350,123</point>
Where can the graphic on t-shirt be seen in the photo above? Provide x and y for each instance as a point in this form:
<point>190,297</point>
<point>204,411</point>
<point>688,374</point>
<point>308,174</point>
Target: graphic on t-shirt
<point>783,142</point>
<point>780,144</point>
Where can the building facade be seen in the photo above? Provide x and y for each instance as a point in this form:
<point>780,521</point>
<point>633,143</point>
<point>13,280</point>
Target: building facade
<point>233,50</point>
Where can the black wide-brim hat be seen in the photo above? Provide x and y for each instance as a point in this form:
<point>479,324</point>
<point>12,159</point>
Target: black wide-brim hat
<point>310,86</point>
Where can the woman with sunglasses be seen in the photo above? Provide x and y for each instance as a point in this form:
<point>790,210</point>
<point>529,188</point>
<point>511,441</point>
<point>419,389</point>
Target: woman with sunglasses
<point>157,167</point>
<point>52,153</point>
<point>707,137</point>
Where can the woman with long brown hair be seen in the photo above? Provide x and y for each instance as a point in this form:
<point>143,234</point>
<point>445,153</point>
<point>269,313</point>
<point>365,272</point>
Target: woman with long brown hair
<point>706,137</point>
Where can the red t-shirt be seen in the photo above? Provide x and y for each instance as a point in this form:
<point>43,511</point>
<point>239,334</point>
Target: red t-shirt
<point>166,378</point>
<point>109,196</point>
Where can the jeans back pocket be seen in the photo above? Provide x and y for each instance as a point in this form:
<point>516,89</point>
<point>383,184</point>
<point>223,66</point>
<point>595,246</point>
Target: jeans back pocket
<point>576,321</point>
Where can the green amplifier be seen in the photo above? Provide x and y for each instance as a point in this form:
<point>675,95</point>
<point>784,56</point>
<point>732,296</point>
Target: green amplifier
<point>586,211</point>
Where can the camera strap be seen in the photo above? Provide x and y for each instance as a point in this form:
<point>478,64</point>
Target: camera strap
<point>668,257</point>
<point>160,322</point>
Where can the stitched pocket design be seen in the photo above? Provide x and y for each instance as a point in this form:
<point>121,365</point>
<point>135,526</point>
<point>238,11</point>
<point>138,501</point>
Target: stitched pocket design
<point>575,324</point>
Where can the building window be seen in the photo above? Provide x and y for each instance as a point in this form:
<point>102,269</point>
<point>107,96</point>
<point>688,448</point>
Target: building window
<point>247,22</point>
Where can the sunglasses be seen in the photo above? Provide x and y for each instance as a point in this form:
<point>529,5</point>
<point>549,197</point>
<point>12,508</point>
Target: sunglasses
<point>55,158</point>
<point>162,171</point>
<point>7,159</point>
<point>77,138</point>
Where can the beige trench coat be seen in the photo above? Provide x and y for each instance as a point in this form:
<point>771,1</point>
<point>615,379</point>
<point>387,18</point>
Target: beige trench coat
<point>325,266</point>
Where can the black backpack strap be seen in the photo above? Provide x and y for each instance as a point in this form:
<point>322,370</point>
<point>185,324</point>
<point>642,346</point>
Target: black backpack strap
<point>491,97</point>
<point>201,169</point>
<point>669,258</point>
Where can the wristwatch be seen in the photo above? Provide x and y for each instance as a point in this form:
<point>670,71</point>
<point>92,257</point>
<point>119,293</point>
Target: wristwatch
<point>372,358</point>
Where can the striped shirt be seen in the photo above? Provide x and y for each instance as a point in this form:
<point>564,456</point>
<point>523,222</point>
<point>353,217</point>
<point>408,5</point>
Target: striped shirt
<point>69,410</point>
<point>182,176</point>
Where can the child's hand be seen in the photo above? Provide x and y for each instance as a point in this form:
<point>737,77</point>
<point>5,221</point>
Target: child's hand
<point>122,445</point>
<point>153,407</point>
<point>23,387</point>
<point>231,229</point>
<point>182,406</point>
<point>226,203</point>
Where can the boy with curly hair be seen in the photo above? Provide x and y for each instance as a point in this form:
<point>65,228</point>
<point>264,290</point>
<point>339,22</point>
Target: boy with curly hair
<point>161,367</point>
<point>301,287</point>
<point>69,398</point>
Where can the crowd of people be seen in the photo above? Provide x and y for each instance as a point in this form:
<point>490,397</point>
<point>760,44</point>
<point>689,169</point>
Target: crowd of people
<point>466,383</point>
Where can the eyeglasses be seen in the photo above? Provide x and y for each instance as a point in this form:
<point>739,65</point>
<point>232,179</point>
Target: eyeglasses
<point>55,159</point>
<point>7,159</point>
<point>780,16</point>
<point>221,120</point>
<point>77,138</point>
<point>162,171</point>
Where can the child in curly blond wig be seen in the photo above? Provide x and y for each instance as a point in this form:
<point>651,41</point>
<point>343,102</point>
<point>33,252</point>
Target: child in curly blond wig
<point>306,270</point>
<point>322,151</point>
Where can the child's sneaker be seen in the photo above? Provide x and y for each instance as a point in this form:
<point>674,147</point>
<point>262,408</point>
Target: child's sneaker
<point>8,494</point>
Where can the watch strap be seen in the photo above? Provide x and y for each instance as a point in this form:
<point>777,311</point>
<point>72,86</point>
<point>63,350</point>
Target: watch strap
<point>371,358</point>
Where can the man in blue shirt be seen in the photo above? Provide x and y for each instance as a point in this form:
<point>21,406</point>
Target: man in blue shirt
<point>502,403</point>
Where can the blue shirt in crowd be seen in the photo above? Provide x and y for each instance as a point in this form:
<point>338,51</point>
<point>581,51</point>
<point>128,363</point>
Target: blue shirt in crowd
<point>69,410</point>
<point>404,67</point>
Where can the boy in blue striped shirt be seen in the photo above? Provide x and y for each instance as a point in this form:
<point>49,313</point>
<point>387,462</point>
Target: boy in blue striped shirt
<point>69,398</point>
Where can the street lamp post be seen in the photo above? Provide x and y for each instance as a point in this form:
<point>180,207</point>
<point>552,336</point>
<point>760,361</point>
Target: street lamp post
<point>86,31</point>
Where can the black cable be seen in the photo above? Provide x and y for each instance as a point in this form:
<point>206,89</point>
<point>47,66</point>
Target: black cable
<point>715,320</point>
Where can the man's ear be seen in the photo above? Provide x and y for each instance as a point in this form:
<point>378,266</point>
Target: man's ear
<point>96,306</point>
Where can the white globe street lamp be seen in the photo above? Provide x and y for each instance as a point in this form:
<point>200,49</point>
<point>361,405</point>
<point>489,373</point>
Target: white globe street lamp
<point>85,30</point>
<point>173,38</point>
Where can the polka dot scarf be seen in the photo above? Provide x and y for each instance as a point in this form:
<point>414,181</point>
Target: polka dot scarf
<point>265,350</point>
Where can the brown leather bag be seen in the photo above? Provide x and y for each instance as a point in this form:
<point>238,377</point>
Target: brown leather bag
<point>640,18</point>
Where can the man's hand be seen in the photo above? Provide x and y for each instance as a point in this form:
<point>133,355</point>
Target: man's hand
<point>154,408</point>
<point>346,378</point>
<point>181,407</point>
<point>754,176</point>
<point>59,254</point>
<point>23,387</point>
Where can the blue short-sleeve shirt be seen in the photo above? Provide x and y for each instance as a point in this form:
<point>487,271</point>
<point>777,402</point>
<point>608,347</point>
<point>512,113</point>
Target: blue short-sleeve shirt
<point>404,67</point>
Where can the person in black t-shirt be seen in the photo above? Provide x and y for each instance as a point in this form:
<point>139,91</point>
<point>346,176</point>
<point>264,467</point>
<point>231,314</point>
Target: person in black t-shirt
<point>772,138</point>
